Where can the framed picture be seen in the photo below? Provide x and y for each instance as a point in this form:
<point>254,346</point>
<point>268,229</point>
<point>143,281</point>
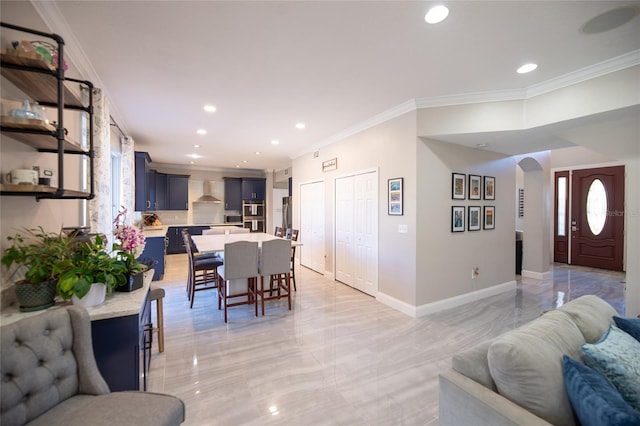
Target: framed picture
<point>489,217</point>
<point>395,196</point>
<point>489,188</point>
<point>457,219</point>
<point>474,187</point>
<point>474,218</point>
<point>458,187</point>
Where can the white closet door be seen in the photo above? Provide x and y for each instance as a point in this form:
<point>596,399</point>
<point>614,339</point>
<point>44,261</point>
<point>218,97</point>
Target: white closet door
<point>312,226</point>
<point>366,233</point>
<point>344,230</point>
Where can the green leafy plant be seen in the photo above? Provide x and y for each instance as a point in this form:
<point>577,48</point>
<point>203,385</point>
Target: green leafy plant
<point>35,253</point>
<point>89,263</point>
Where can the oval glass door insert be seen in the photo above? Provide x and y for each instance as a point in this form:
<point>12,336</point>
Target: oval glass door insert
<point>596,206</point>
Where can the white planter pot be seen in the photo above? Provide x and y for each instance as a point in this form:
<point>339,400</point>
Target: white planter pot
<point>94,297</point>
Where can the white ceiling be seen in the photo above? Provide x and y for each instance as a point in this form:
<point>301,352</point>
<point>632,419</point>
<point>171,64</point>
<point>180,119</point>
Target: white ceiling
<point>330,64</point>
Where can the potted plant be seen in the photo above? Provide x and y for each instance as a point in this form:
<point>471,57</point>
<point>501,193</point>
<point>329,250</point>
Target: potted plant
<point>35,254</point>
<point>128,246</point>
<point>89,273</point>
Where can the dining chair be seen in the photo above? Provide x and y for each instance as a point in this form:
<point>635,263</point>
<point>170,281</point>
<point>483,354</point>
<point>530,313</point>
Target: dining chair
<point>214,231</point>
<point>241,262</point>
<point>279,232</point>
<point>202,269</point>
<point>274,263</point>
<point>294,237</point>
<point>238,230</point>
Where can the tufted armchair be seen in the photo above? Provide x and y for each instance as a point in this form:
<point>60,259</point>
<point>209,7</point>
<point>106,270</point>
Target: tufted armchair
<point>49,377</point>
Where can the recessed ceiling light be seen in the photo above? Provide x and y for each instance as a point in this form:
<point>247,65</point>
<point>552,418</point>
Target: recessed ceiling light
<point>201,132</point>
<point>237,166</point>
<point>300,125</point>
<point>210,108</point>
<point>192,162</point>
<point>436,14</point>
<point>527,68</point>
<point>194,156</point>
<point>196,146</point>
<point>245,161</point>
<point>257,152</point>
<point>275,142</point>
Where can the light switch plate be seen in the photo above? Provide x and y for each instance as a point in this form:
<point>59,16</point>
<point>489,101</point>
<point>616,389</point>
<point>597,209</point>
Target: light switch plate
<point>403,229</point>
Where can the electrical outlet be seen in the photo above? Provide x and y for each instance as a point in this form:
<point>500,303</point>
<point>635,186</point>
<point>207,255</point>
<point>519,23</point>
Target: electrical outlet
<point>475,272</point>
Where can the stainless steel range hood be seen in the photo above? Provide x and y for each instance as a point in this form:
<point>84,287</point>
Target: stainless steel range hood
<point>207,195</point>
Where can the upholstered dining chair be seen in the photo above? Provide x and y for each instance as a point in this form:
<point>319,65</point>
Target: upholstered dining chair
<point>214,231</point>
<point>238,230</point>
<point>274,263</point>
<point>293,236</point>
<point>241,263</point>
<point>202,269</point>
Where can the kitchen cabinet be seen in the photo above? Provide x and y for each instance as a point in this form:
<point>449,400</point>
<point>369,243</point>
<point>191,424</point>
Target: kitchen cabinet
<point>161,191</point>
<point>154,248</point>
<point>253,189</point>
<point>124,361</point>
<point>145,181</point>
<point>158,191</point>
<point>49,87</point>
<point>178,192</point>
<point>232,193</point>
<point>174,237</point>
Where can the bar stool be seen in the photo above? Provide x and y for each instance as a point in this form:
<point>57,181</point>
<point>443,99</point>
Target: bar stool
<point>157,294</point>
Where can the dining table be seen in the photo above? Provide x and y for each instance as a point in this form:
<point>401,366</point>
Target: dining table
<point>216,242</point>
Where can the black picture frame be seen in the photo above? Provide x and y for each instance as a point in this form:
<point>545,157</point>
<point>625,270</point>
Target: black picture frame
<point>457,218</point>
<point>395,197</point>
<point>489,218</point>
<point>489,188</point>
<point>475,187</point>
<point>474,219</point>
<point>458,186</point>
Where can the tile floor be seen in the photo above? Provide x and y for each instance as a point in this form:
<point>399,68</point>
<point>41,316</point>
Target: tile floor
<point>339,357</point>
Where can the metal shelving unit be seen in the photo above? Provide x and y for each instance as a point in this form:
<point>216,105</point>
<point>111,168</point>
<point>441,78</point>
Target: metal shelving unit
<point>48,86</point>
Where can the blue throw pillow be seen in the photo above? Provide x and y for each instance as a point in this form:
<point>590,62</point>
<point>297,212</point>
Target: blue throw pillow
<point>631,326</point>
<point>594,400</point>
<point>617,357</point>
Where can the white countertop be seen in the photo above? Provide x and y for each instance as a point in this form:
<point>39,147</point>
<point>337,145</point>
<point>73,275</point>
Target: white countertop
<point>118,304</point>
<point>160,231</point>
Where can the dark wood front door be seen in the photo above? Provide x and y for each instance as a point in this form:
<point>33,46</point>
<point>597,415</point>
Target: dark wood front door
<point>597,217</point>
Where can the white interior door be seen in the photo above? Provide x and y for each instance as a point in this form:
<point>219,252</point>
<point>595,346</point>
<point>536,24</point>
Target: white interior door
<point>366,232</point>
<point>312,226</point>
<point>344,230</point>
<point>356,212</point>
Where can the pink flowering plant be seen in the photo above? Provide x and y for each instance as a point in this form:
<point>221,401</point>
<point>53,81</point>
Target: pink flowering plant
<point>129,242</point>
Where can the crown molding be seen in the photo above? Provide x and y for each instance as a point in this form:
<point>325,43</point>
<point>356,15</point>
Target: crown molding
<point>609,66</point>
<point>55,21</point>
<point>387,115</point>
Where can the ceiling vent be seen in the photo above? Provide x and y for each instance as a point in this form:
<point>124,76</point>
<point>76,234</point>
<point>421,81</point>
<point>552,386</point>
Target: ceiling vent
<point>207,197</point>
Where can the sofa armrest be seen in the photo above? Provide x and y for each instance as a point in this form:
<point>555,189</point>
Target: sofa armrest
<point>464,402</point>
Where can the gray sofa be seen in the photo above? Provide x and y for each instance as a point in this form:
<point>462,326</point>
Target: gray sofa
<point>50,377</point>
<point>516,378</point>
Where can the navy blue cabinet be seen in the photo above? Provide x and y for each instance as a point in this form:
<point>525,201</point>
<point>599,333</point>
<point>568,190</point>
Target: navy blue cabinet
<point>143,186</point>
<point>174,237</point>
<point>155,249</point>
<point>178,192</point>
<point>232,193</point>
<point>121,345</point>
<point>253,189</point>
<point>161,199</point>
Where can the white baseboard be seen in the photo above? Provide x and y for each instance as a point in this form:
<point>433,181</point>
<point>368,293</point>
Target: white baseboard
<point>441,305</point>
<point>536,275</point>
<point>396,304</point>
<point>454,302</point>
